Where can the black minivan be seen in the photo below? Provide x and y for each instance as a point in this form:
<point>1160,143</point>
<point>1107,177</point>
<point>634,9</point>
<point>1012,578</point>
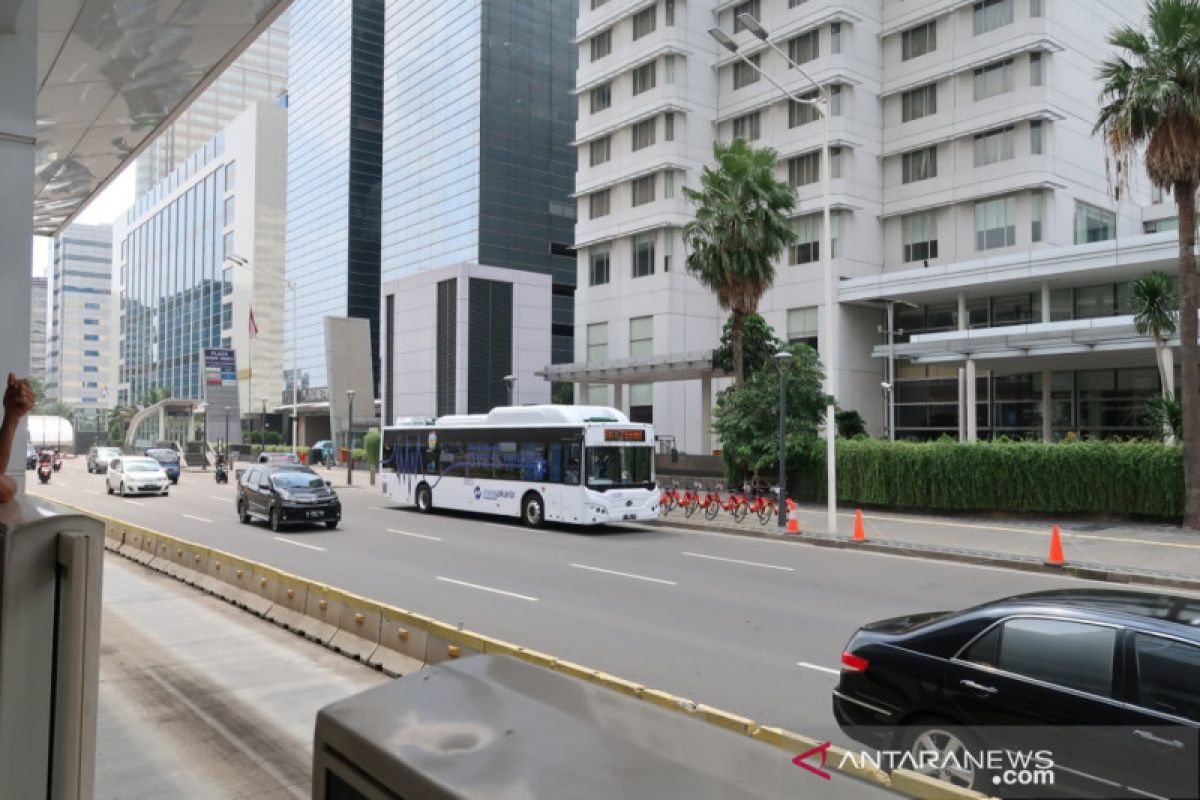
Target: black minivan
<point>286,494</point>
<point>1106,682</point>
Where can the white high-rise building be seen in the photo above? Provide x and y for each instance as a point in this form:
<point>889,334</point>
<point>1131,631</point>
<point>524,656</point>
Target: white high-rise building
<point>81,349</point>
<point>960,140</point>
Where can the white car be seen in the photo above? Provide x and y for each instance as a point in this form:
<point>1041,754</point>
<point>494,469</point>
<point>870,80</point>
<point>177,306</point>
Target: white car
<point>136,475</point>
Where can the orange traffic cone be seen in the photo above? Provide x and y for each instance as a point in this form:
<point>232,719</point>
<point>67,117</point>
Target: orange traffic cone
<point>860,535</point>
<point>793,525</point>
<point>1056,552</point>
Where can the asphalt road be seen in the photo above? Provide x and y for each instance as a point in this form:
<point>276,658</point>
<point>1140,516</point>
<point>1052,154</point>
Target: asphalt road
<point>748,625</point>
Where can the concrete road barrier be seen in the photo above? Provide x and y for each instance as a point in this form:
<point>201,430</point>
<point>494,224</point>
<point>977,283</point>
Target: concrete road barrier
<point>400,641</point>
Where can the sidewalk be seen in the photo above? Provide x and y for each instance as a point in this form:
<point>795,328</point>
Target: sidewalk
<point>336,475</point>
<point>1122,552</point>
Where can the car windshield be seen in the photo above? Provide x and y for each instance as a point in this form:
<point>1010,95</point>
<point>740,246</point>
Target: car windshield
<point>613,467</point>
<point>107,453</point>
<point>141,466</point>
<point>165,456</point>
<point>297,480</point>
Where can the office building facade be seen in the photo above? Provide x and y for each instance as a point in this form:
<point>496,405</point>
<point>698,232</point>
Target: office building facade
<point>485,85</point>
<point>39,313</point>
<point>960,134</point>
<point>335,119</point>
<point>259,73</point>
<point>82,346</point>
<point>196,255</point>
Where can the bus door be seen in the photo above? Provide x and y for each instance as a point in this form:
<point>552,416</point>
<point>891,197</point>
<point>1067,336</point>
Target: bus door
<point>564,462</point>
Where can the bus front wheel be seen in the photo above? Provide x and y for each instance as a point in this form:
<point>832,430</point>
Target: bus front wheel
<point>532,510</point>
<point>424,499</point>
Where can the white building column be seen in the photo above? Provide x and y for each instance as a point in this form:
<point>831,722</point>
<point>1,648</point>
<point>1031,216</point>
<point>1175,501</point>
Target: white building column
<point>1047,427</point>
<point>706,447</point>
<point>618,399</point>
<point>972,420</point>
<point>962,380</point>
<point>1045,301</point>
<point>581,393</point>
<point>18,119</point>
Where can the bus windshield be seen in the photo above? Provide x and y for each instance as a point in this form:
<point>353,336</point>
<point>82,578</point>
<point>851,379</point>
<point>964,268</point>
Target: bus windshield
<point>619,467</point>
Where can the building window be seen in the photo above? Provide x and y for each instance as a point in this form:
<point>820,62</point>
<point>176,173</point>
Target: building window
<point>601,150</point>
<point>1035,8</point>
<point>598,268</point>
<point>919,102</point>
<point>802,326</point>
<point>644,22</point>
<point>643,78</point>
<point>641,403</point>
<point>598,204</point>
<point>835,38</point>
<point>804,47</point>
<point>919,233</point>
<point>835,162</point>
<point>226,316</point>
<point>747,127</point>
<point>992,14</point>
<point>227,250</point>
<point>803,113</point>
<point>745,74</point>
<point>641,337</point>
<point>669,69</point>
<point>227,342</point>
<point>994,79</point>
<point>230,175</point>
<point>994,146</point>
<point>835,101</point>
<point>1035,69</point>
<point>597,394</point>
<point>919,165</point>
<point>1035,137</point>
<point>668,185</point>
<point>668,249</point>
<point>995,223</point>
<point>643,134</point>
<point>597,342</point>
<point>91,352</point>
<point>1037,208</point>
<point>1093,224</point>
<point>91,322</point>
<point>669,9</point>
<point>92,306</point>
<point>751,7</point>
<point>91,337</point>
<point>805,169</point>
<point>669,126</point>
<point>601,44</point>
<point>229,211</point>
<point>918,41</point>
<point>601,97</point>
<point>643,190</point>
<point>807,247</point>
<point>91,369</point>
<point>643,255</point>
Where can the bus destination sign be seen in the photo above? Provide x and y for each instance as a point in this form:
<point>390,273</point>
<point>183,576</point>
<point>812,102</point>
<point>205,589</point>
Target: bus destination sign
<point>624,435</point>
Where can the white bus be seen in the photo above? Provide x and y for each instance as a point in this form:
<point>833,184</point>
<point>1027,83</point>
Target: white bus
<point>585,465</point>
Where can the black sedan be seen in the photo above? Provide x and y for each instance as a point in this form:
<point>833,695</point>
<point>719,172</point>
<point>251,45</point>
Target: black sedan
<point>286,494</point>
<point>1079,693</point>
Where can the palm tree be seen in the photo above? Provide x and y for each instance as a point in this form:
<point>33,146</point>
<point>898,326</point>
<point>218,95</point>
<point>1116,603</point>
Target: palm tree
<point>118,422</point>
<point>740,228</point>
<point>1151,99</point>
<point>1153,305</point>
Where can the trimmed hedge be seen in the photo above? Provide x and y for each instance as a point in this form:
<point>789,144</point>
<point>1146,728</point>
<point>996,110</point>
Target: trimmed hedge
<point>1137,479</point>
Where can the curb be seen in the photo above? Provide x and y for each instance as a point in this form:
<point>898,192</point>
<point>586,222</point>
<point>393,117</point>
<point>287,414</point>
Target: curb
<point>1084,570</point>
<point>436,641</point>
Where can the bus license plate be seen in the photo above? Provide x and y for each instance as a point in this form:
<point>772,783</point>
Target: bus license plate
<point>631,516</point>
<point>316,514</point>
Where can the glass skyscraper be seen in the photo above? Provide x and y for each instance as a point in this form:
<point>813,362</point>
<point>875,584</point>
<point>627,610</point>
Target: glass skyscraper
<point>477,161</point>
<point>335,120</point>
<point>81,350</point>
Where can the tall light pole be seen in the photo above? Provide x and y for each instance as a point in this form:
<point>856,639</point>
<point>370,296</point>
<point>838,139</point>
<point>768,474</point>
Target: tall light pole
<point>204,443</point>
<point>350,438</point>
<point>227,409</point>
<point>821,104</point>
<point>783,360</point>
<point>510,381</point>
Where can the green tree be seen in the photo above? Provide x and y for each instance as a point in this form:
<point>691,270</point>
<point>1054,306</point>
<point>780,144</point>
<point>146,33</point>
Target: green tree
<point>118,423</point>
<point>739,230</point>
<point>1150,102</point>
<point>850,423</point>
<point>759,345</point>
<point>1165,413</point>
<point>1153,304</point>
<point>562,394</point>
<point>153,396</point>
<point>746,416</point>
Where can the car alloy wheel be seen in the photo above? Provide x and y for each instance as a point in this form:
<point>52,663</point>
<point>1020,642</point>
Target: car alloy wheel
<point>950,762</point>
<point>276,518</point>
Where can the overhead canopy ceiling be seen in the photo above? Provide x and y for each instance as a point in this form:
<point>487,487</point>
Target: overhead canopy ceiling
<point>112,74</point>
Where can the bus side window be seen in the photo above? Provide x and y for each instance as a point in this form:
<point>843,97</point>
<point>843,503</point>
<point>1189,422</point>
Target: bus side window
<point>450,459</point>
<point>429,460</point>
<point>533,461</point>
<point>574,464</point>
<point>556,463</point>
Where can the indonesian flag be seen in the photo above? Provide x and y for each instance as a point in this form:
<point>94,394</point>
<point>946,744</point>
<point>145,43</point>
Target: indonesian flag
<point>104,392</point>
<point>253,324</point>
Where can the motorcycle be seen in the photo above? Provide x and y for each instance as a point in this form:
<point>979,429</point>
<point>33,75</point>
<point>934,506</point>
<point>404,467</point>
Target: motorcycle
<point>221,473</point>
<point>45,467</point>
<point>57,462</point>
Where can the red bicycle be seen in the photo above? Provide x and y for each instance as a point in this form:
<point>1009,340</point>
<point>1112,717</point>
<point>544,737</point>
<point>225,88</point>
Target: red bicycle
<point>690,501</point>
<point>670,498</point>
<point>711,502</point>
<point>736,506</point>
<point>770,509</point>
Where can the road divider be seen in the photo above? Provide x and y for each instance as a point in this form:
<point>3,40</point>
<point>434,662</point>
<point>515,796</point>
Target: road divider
<point>398,641</point>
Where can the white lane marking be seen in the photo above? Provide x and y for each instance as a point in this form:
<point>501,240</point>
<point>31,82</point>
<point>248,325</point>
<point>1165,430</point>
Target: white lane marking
<point>818,668</point>
<point>89,491</point>
<point>488,589</point>
<point>623,574</point>
<point>198,519</point>
<point>740,561</point>
<point>416,535</point>
<point>132,502</point>
<point>225,499</point>
<point>299,544</point>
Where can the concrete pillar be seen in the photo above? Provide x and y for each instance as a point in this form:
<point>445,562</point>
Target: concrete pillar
<point>1045,301</point>
<point>706,447</point>
<point>962,405</point>
<point>1047,427</point>
<point>581,396</point>
<point>962,311</point>
<point>18,126</point>
<point>618,400</point>
<point>972,418</point>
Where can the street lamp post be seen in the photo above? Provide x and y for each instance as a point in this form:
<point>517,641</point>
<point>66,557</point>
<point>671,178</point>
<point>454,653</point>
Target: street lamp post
<point>350,438</point>
<point>821,104</point>
<point>227,410</point>
<point>783,360</point>
<point>510,381</point>
<point>204,442</point>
